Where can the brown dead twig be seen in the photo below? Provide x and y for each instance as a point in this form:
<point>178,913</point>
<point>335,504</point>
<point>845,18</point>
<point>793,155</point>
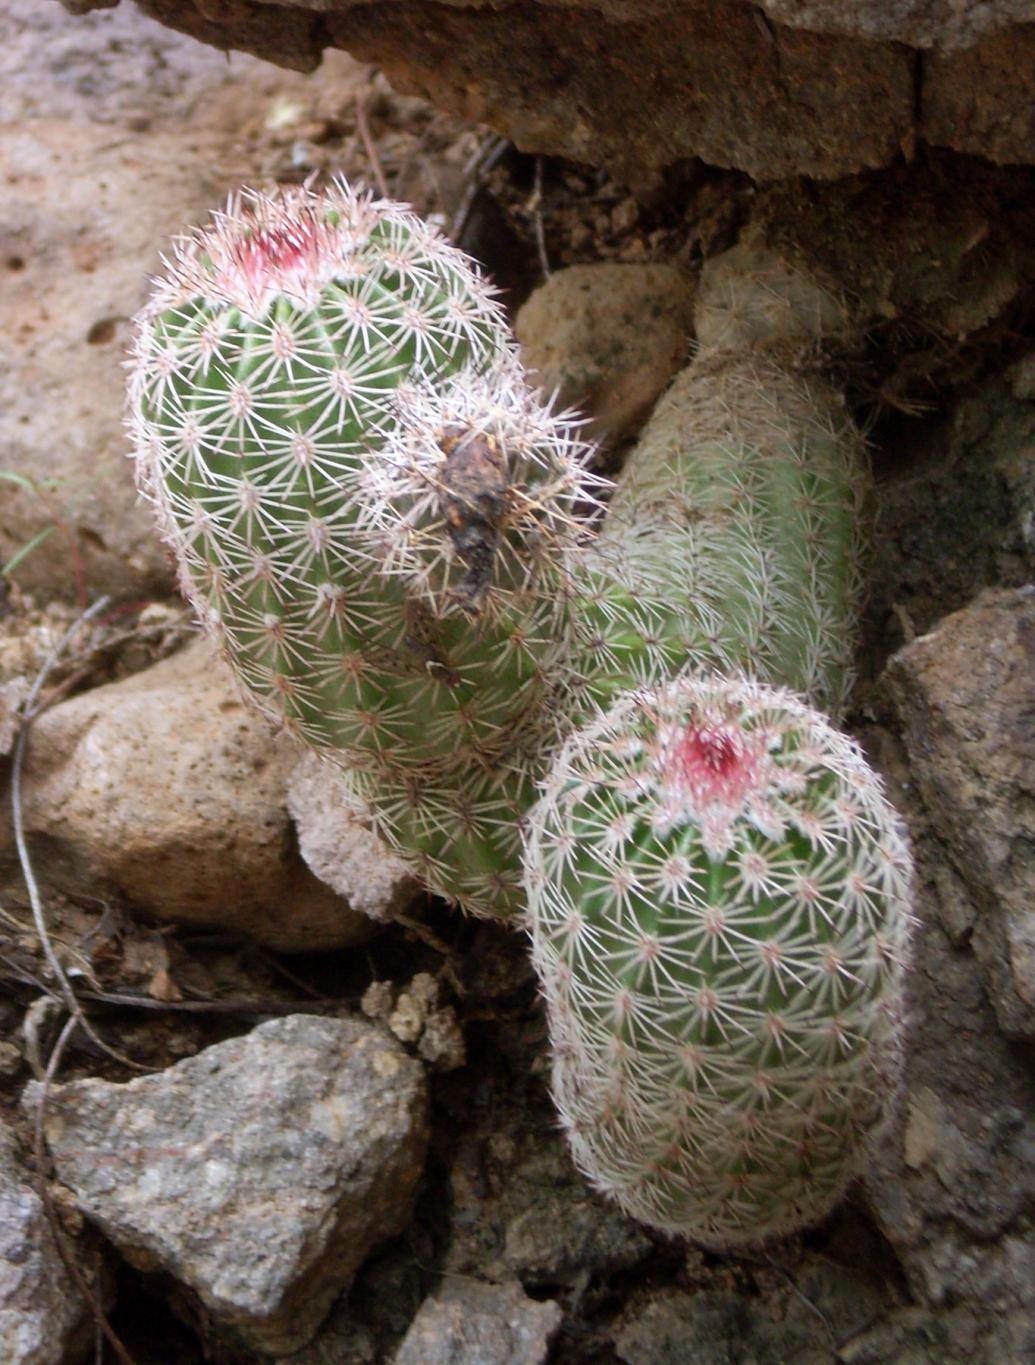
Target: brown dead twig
<point>535,208</point>
<point>487,155</point>
<point>31,708</point>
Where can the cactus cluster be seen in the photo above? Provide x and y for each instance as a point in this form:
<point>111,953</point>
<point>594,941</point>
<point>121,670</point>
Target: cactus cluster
<point>386,530</point>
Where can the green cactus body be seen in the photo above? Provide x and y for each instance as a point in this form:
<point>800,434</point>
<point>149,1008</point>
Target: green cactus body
<point>733,540</point>
<point>461,833</point>
<point>718,899</point>
<point>366,505</point>
<point>732,544</point>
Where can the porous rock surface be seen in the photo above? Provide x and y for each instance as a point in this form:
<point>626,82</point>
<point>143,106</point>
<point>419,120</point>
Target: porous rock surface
<point>819,88</point>
<point>606,339</point>
<point>170,790</point>
<point>965,694</point>
<point>259,1174</point>
<point>42,1312</point>
<point>469,1322</point>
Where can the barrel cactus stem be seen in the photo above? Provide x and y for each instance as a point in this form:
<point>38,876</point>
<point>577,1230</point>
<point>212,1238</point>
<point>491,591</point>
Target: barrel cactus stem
<point>719,906</point>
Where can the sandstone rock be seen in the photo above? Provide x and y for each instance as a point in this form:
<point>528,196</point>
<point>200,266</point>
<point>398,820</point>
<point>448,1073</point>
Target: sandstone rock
<point>259,1173</point>
<point>42,1313</point>
<point>607,339</point>
<point>472,1323</point>
<point>817,88</point>
<point>978,100</point>
<point>965,695</point>
<point>169,790</point>
<point>115,134</point>
<point>638,91</point>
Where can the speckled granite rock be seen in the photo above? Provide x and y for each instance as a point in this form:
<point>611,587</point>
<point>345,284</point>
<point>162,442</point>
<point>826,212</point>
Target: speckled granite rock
<point>259,1173</point>
<point>472,1323</point>
<point>42,1313</point>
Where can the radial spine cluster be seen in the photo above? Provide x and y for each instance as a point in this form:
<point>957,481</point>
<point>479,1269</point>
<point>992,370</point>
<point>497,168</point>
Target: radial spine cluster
<point>719,903</point>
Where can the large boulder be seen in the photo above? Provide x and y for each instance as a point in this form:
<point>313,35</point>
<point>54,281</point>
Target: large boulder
<point>794,87</point>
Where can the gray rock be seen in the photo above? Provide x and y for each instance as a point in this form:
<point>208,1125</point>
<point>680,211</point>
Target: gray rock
<point>965,695</point>
<point>42,1313</point>
<point>607,339</point>
<point>259,1173</point>
<point>720,1328</point>
<point>920,23</point>
<point>961,255</point>
<point>472,1323</point>
<point>170,790</point>
<point>535,1218</point>
<point>338,848</point>
<point>953,1184</point>
<point>957,515</point>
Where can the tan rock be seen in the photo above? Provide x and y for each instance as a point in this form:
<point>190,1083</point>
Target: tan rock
<point>608,338</point>
<point>169,790</point>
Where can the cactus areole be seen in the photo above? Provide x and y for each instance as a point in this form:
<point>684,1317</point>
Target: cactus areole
<point>367,506</point>
<point>719,907</point>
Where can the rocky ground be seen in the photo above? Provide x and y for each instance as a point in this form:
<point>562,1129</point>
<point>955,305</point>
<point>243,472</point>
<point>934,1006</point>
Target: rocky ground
<point>382,1086</point>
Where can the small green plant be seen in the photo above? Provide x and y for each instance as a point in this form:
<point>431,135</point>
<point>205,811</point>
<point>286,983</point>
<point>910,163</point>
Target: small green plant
<point>23,551</point>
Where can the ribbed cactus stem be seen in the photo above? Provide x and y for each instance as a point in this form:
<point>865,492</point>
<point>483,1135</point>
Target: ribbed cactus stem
<point>736,530</point>
<point>367,505</point>
<point>719,906</point>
